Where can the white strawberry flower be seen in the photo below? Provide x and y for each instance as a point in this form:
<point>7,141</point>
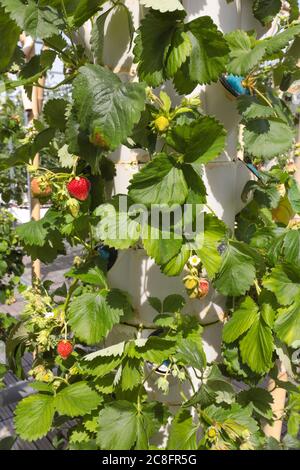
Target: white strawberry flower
<point>49,314</point>
<point>194,260</point>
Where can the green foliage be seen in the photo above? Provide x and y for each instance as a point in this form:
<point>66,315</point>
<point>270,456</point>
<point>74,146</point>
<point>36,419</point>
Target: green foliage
<point>34,415</point>
<point>140,423</point>
<point>254,263</point>
<point>237,271</point>
<point>205,65</point>
<point>182,432</point>
<point>93,315</point>
<point>36,20</point>
<point>42,239</point>
<point>76,400</point>
<point>107,109</point>
<point>265,11</point>
<point>256,339</point>
<point>160,182</point>
<point>245,53</point>
<point>200,141</point>
<point>11,32</point>
<point>175,44</point>
<point>11,257</point>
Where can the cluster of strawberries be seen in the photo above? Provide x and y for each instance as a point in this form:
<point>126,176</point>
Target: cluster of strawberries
<point>78,187</point>
<point>196,285</point>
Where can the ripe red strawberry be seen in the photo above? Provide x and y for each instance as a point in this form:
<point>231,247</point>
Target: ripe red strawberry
<point>79,187</point>
<point>203,287</point>
<point>64,348</point>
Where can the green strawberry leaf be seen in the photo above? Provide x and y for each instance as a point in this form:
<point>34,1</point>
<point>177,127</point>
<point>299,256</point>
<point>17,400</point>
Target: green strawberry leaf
<point>175,265</point>
<point>9,33</point>
<point>107,108</point>
<point>92,318</point>
<point>173,303</point>
<point>179,51</point>
<point>161,181</point>
<point>166,49</point>
<point>284,282</point>
<point>79,435</point>
<point>291,247</point>
<point>183,432</point>
<point>251,107</point>
<point>161,244</point>
<point>190,352</point>
<point>243,318</point>
<point>77,399</point>
<point>115,416</point>
<point>201,141</point>
<point>206,64</point>
<point>80,11</point>
<point>287,324</point>
<point>267,138</point>
<point>33,232</point>
<point>266,10</point>
<point>97,37</point>
<point>36,20</point>
<point>131,373</point>
<point>155,303</point>
<point>34,416</point>
<point>42,239</point>
<point>54,113</point>
<point>237,271</point>
<point>115,350</point>
<point>156,350</point>
<point>260,399</point>
<point>139,424</point>
<point>294,9</point>
<point>214,232</point>
<point>236,414</point>
<point>277,42</point>
<point>117,227</point>
<point>90,272</point>
<point>294,195</point>
<point>244,54</point>
<point>257,347</point>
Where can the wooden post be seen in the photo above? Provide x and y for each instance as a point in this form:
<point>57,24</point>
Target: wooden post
<point>279,397</point>
<point>33,109</point>
<point>35,206</point>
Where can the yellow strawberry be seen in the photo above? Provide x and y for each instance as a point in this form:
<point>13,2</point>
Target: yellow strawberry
<point>161,123</point>
<point>190,282</point>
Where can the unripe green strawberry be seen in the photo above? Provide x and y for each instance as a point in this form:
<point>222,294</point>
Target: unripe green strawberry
<point>73,206</point>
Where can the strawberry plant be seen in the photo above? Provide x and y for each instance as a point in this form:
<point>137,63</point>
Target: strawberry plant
<point>11,255</point>
<point>80,370</point>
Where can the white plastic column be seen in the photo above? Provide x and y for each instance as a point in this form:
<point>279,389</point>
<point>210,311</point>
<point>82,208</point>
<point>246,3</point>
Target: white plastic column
<point>224,178</point>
